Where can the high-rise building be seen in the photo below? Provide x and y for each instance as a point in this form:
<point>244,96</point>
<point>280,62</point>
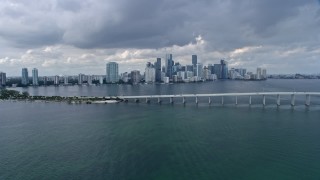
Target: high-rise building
<point>45,80</point>
<point>89,81</point>
<point>3,79</point>
<point>224,69</point>
<point>194,60</point>
<point>112,72</point>
<point>259,73</point>
<point>150,74</point>
<point>168,65</point>
<point>217,70</point>
<point>135,77</point>
<point>35,78</point>
<point>25,77</point>
<point>157,66</point>
<point>65,80</point>
<point>56,80</point>
<point>199,70</point>
<point>80,79</point>
<point>264,74</point>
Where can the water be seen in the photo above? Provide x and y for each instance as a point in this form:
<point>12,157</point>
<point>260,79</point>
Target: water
<point>151,141</point>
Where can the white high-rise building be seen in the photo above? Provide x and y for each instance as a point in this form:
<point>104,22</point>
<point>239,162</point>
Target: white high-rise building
<point>150,75</point>
<point>35,78</point>
<point>80,79</point>
<point>112,72</point>
<point>56,80</point>
<point>259,73</point>
<point>264,74</point>
<point>65,80</point>
<point>199,70</point>
<point>89,80</point>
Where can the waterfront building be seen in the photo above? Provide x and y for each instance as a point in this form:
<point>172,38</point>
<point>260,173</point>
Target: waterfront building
<point>181,75</point>
<point>35,78</point>
<point>168,65</point>
<point>125,77</point>
<point>264,74</point>
<point>25,77</point>
<point>166,80</point>
<point>259,73</point>
<point>65,80</point>
<point>163,75</point>
<point>45,80</point>
<point>206,73</point>
<point>224,69</point>
<point>199,70</point>
<point>101,80</point>
<point>217,70</point>
<point>3,79</point>
<point>211,68</point>
<point>189,74</point>
<point>135,77</point>
<point>150,74</point>
<point>89,80</point>
<point>56,80</point>
<point>80,78</point>
<point>112,72</point>
<point>189,68</point>
<point>157,66</point>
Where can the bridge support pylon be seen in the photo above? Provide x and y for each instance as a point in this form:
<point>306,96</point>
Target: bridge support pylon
<point>308,100</point>
<point>293,99</point>
<point>278,100</point>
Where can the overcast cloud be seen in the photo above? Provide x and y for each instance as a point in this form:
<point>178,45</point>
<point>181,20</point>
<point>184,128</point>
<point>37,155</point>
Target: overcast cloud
<point>73,36</point>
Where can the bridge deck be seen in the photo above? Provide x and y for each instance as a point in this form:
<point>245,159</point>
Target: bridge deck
<point>220,94</point>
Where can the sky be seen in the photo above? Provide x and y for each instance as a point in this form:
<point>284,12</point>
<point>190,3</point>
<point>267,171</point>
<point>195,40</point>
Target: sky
<point>68,37</point>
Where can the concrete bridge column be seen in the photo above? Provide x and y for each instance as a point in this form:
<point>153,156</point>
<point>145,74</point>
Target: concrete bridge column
<point>308,100</point>
<point>209,100</point>
<point>222,100</point>
<point>292,99</point>
<point>183,100</point>
<point>236,100</point>
<point>159,101</point>
<point>278,99</point>
<point>171,100</point>
<point>196,100</point>
<point>249,100</point>
<point>264,100</point>
<point>147,100</point>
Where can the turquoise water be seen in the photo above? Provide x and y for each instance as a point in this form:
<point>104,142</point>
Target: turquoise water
<point>129,141</point>
<point>150,141</point>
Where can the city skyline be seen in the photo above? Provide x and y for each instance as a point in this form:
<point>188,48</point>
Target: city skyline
<point>70,37</point>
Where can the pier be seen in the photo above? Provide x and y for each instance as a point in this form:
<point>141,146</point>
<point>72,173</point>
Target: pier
<point>182,97</point>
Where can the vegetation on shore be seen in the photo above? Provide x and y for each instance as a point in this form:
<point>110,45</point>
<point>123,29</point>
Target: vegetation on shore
<point>6,94</point>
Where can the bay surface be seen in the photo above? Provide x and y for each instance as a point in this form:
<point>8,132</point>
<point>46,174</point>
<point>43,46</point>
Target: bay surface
<point>150,141</point>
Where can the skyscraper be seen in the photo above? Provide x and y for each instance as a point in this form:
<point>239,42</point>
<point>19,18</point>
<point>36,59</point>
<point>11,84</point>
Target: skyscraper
<point>112,72</point>
<point>25,77</point>
<point>194,60</point>
<point>168,65</point>
<point>3,79</point>
<point>194,64</point>
<point>135,77</point>
<point>259,73</point>
<point>157,66</point>
<point>56,80</point>
<point>224,69</point>
<point>35,78</point>
<point>150,73</point>
<point>80,79</point>
<point>199,70</point>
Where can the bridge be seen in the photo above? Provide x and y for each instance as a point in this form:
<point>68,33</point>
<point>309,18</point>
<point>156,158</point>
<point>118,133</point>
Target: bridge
<point>210,97</point>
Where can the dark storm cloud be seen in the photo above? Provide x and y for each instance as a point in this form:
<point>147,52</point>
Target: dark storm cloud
<point>144,23</point>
